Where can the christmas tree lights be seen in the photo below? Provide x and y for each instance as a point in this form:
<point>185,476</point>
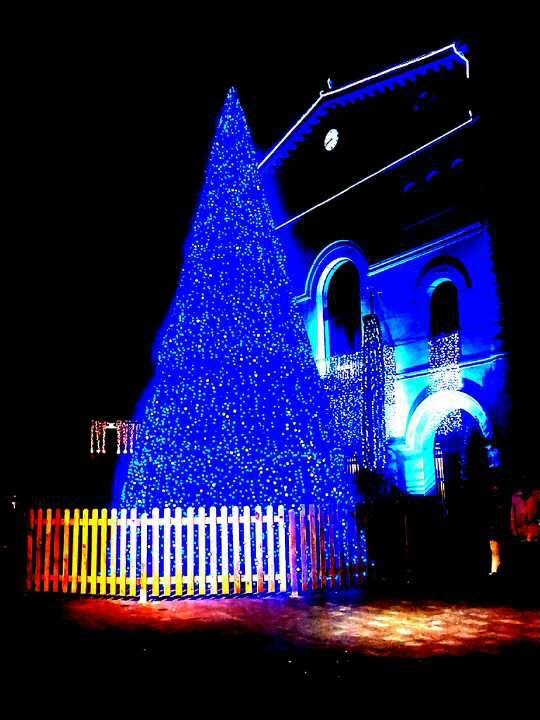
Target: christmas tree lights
<point>236,413</point>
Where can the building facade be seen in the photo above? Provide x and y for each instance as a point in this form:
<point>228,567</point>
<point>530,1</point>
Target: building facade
<point>377,193</point>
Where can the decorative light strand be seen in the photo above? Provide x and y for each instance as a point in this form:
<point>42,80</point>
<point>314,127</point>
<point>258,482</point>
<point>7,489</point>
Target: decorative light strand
<point>373,392</point>
<point>390,407</point>
<point>445,374</point>
<point>126,432</point>
<point>342,377</point>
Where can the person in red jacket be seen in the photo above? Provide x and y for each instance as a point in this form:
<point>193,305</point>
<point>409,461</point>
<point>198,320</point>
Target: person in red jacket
<point>525,513</point>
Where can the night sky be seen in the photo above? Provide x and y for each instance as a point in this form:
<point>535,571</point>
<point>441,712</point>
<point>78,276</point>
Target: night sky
<point>111,139</point>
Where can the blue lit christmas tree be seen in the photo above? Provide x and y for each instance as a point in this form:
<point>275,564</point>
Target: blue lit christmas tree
<point>236,413</point>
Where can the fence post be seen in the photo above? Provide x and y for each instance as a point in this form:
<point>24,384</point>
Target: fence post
<point>114,550</point>
<point>155,552</point>
<point>178,575</point>
<point>348,576</point>
<point>84,551</point>
<point>56,549</point>
<point>213,552</point>
<point>123,552</point>
<point>270,548</point>
<point>144,558</point>
<point>292,554</point>
<point>248,575</point>
<point>224,551</point>
<point>202,551</point>
<point>103,552</point>
<point>313,548</point>
<point>341,546</point>
<point>75,553</point>
<point>303,548</point>
<point>47,553</point>
<point>323,516</point>
<point>39,541</point>
<point>332,539</point>
<point>282,549</point>
<point>133,552</point>
<point>167,551</point>
<point>259,548</point>
<point>94,553</point>
<point>190,552</point>
<point>236,549</point>
<point>30,550</point>
<point>65,552</point>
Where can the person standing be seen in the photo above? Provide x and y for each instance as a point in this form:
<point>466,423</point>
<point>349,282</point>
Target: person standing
<point>525,513</point>
<point>497,512</point>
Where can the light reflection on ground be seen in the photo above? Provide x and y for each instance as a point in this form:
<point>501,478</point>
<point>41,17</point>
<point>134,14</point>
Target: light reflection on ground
<point>382,628</point>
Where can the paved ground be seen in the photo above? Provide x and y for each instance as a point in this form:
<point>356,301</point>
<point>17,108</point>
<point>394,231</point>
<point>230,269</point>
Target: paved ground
<point>84,651</point>
<point>383,628</point>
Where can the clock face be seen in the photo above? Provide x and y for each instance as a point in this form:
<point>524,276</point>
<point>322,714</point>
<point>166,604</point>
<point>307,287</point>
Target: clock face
<point>331,139</point>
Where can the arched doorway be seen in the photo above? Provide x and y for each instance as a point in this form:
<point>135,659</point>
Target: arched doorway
<point>461,459</point>
<point>423,428</point>
<point>449,437</point>
<point>462,472</point>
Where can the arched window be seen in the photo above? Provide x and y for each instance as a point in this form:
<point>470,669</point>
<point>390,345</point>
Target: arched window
<point>444,309</point>
<point>343,310</point>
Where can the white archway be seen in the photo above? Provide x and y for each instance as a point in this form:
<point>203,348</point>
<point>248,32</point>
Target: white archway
<point>422,428</point>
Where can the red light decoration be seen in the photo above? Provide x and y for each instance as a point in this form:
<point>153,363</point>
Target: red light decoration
<point>126,434</point>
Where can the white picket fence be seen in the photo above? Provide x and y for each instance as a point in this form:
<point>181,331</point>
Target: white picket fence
<point>111,552</point>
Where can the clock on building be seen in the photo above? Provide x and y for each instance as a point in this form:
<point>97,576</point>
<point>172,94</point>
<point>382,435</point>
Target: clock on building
<point>331,139</point>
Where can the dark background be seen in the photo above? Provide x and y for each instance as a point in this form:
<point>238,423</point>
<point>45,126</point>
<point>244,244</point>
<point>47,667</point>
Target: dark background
<point>110,139</point>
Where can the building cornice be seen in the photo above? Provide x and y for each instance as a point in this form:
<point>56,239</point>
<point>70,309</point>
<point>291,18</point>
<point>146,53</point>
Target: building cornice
<point>424,370</point>
<point>431,247</point>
